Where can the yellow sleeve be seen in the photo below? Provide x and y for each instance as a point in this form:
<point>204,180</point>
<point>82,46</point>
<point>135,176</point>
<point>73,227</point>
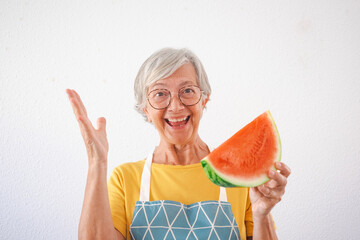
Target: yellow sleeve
<point>273,221</point>
<point>248,217</point>
<point>117,201</point>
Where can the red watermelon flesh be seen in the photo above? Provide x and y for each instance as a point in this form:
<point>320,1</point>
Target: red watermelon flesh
<point>245,159</point>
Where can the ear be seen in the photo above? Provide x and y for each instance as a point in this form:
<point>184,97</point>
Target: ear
<point>205,101</point>
<point>147,114</point>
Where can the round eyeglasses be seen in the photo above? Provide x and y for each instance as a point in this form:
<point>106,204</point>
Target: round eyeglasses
<point>161,98</point>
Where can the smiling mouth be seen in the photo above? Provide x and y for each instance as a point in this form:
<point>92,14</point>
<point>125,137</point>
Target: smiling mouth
<point>177,122</point>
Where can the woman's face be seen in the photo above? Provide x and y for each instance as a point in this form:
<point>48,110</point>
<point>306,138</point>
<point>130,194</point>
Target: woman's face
<point>177,124</point>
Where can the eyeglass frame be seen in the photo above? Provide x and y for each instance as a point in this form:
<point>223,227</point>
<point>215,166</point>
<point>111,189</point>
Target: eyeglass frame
<point>201,91</point>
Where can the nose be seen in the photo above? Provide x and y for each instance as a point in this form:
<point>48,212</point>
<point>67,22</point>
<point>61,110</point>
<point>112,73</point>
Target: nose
<point>175,104</point>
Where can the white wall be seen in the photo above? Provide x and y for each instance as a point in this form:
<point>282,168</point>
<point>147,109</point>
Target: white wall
<point>300,59</point>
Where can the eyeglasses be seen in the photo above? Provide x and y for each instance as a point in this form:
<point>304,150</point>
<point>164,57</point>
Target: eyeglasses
<point>161,98</point>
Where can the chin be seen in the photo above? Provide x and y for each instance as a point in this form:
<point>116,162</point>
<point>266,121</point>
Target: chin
<point>180,140</point>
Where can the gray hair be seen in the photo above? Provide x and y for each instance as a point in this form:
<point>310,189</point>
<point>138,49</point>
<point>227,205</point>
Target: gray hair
<point>163,64</point>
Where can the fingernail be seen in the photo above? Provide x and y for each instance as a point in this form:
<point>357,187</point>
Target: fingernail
<point>278,164</point>
<point>271,173</point>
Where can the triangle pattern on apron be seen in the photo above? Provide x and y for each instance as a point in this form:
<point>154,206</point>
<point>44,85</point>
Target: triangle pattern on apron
<point>165,219</point>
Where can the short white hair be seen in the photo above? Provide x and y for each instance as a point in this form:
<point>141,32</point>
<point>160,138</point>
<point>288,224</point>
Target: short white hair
<point>162,64</point>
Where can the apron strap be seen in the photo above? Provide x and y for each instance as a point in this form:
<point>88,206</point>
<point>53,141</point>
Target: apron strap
<point>223,196</point>
<point>145,179</point>
<point>145,182</point>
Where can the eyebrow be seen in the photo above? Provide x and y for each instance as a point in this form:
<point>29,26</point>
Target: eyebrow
<point>182,84</point>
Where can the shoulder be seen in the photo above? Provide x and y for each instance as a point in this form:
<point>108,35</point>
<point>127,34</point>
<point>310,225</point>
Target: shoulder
<point>130,166</point>
<point>128,170</point>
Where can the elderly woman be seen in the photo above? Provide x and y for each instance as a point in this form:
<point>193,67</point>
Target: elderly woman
<point>167,195</point>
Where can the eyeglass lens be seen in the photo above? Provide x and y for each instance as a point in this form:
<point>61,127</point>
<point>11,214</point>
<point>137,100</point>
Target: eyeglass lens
<point>188,95</point>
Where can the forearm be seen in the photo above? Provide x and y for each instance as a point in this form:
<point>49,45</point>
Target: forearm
<point>96,221</point>
<point>264,228</point>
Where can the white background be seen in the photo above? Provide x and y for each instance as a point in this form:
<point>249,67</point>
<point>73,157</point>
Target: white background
<point>300,59</point>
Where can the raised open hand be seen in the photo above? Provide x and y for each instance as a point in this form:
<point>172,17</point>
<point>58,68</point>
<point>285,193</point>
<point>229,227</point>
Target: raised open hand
<point>95,140</point>
<point>265,197</point>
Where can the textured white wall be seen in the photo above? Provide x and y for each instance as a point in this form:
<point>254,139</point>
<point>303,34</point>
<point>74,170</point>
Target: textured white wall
<point>300,59</point>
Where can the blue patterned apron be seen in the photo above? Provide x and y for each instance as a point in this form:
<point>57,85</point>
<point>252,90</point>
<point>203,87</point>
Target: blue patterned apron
<point>166,219</point>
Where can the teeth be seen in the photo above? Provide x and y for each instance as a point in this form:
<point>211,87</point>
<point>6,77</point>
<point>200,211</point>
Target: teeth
<point>177,120</point>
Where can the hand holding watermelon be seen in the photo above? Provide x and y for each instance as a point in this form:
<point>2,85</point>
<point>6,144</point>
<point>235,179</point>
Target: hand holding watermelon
<point>266,196</point>
<point>250,158</point>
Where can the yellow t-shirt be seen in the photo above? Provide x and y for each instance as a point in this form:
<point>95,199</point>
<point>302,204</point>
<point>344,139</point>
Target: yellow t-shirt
<point>186,184</point>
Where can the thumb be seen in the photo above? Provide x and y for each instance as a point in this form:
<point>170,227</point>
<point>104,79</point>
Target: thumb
<point>101,124</point>
<point>254,193</point>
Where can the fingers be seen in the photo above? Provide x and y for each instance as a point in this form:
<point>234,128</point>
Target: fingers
<point>272,183</point>
<point>74,102</point>
<point>275,188</point>
<point>255,190</point>
<point>264,190</point>
<point>77,104</point>
<point>86,127</point>
<point>101,124</point>
<point>266,196</point>
<point>278,178</point>
<point>271,193</point>
<point>82,107</point>
<point>284,169</point>
<point>76,108</point>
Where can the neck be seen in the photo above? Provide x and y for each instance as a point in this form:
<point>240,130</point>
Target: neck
<point>186,154</point>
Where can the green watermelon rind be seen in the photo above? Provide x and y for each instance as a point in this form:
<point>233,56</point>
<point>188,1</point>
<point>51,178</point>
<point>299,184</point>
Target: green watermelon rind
<point>225,181</point>
<point>215,178</point>
<point>278,136</point>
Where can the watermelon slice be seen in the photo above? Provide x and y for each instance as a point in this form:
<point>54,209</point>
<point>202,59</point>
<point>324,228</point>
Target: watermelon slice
<point>245,159</point>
